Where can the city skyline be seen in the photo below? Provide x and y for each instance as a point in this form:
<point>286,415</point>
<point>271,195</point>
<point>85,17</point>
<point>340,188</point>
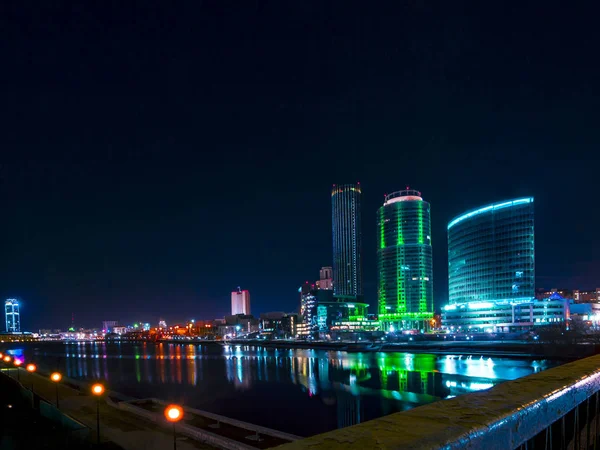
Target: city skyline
<point>191,150</point>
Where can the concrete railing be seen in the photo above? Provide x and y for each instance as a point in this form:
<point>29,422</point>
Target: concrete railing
<point>187,430</point>
<point>557,408</point>
<point>237,423</point>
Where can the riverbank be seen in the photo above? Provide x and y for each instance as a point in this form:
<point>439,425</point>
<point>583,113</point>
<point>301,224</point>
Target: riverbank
<point>515,349</point>
<point>130,424</point>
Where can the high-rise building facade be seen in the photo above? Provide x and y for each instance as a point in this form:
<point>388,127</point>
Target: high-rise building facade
<point>325,278</point>
<point>347,241</point>
<point>240,302</point>
<point>12,316</point>
<point>491,266</point>
<point>404,262</point>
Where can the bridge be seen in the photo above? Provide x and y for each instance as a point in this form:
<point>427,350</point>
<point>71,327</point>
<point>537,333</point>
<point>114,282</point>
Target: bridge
<point>555,409</point>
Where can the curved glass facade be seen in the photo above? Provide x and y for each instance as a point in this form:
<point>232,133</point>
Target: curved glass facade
<point>347,242</point>
<point>491,254</point>
<point>404,260</point>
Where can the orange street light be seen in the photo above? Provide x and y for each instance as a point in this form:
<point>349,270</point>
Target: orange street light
<point>7,359</point>
<point>31,368</point>
<point>174,413</point>
<point>18,362</point>
<point>98,390</point>
<point>1,355</point>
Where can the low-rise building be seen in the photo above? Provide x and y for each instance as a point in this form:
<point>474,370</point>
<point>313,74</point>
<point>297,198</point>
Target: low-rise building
<point>505,317</point>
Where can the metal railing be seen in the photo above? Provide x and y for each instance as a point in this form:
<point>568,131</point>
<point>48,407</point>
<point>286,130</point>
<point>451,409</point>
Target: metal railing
<point>555,409</point>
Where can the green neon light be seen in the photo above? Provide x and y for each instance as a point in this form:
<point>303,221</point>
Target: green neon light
<point>407,316</point>
<point>381,229</point>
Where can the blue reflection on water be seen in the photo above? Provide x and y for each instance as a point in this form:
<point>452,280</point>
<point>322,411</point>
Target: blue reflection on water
<point>295,390</point>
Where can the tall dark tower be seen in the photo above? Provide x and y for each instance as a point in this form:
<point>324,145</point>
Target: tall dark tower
<point>404,260</point>
<point>347,242</point>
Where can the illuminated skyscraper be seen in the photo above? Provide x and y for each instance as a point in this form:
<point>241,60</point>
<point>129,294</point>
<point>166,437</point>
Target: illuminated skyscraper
<point>240,302</point>
<point>491,268</point>
<point>13,317</point>
<point>404,261</point>
<point>347,242</point>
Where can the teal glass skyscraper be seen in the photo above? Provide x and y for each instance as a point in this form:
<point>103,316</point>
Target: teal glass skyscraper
<point>491,254</point>
<point>404,262</point>
<point>491,270</point>
<point>347,242</point>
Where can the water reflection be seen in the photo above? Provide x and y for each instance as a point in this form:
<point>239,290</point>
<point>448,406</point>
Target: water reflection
<point>280,388</point>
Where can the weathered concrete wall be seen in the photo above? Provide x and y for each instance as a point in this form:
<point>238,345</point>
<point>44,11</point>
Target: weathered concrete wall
<point>503,417</point>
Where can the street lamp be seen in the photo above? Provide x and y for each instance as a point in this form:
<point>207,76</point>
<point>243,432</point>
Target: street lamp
<point>7,359</point>
<point>31,368</point>
<point>56,377</point>
<point>18,362</point>
<point>174,413</point>
<point>98,390</point>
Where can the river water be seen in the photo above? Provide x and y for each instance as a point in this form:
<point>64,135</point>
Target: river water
<point>299,391</point>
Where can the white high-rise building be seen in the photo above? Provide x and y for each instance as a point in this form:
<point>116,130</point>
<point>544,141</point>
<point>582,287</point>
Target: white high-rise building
<point>12,315</point>
<point>240,302</point>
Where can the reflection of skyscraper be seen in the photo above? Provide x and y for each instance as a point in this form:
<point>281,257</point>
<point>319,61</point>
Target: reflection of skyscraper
<point>240,302</point>
<point>347,241</point>
<point>12,315</point>
<point>404,261</point>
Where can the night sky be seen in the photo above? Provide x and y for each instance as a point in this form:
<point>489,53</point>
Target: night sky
<point>154,157</point>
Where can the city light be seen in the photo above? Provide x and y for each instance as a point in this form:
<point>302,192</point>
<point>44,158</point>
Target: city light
<point>7,359</point>
<point>31,368</point>
<point>18,362</point>
<point>56,377</point>
<point>481,305</point>
<point>98,389</point>
<point>174,413</point>
<point>493,207</point>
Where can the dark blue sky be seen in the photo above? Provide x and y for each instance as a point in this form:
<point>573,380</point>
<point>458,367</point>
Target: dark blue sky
<point>155,157</point>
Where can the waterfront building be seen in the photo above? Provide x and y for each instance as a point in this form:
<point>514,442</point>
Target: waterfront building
<point>108,325</point>
<point>325,278</point>
<point>308,307</point>
<point>332,313</point>
<point>404,262</point>
<point>240,302</point>
<point>12,315</point>
<point>491,268</point>
<point>347,242</point>
<point>586,296</point>
<point>507,316</point>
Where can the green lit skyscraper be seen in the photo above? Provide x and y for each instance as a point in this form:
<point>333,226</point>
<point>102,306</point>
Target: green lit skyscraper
<point>404,261</point>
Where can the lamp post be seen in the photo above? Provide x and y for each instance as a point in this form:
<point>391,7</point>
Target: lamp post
<point>174,413</point>
<point>31,368</point>
<point>98,390</point>
<point>18,362</point>
<point>56,377</point>
<point>7,359</point>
